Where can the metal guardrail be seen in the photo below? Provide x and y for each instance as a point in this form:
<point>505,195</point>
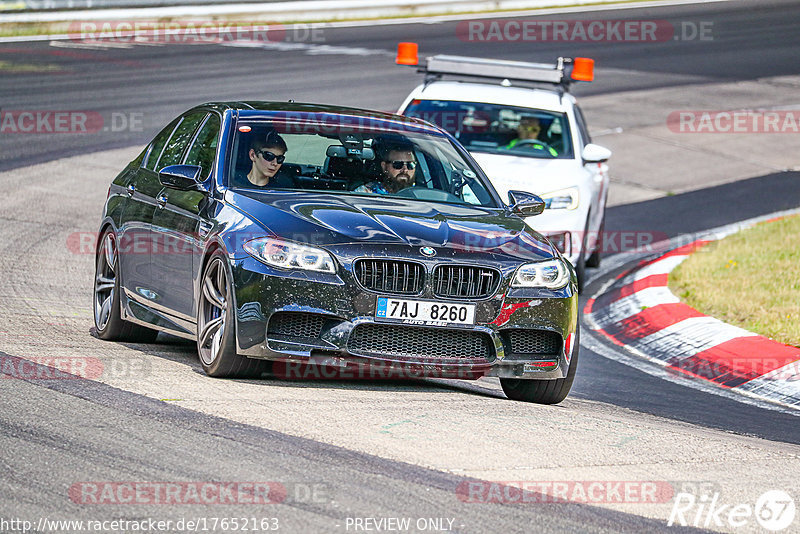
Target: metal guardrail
<point>16,6</point>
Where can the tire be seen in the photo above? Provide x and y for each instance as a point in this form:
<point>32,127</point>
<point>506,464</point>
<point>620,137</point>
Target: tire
<point>544,391</point>
<point>216,324</point>
<point>106,305</point>
<point>594,260</point>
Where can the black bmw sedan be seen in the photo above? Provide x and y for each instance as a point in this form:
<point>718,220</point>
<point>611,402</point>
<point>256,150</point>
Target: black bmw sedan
<point>285,234</point>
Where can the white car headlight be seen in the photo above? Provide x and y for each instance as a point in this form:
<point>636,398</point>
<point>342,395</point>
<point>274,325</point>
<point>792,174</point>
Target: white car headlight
<point>563,199</point>
<point>288,255</point>
<point>551,274</point>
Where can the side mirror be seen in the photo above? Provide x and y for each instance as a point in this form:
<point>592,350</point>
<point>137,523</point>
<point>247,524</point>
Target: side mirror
<point>595,153</point>
<point>182,177</point>
<point>525,204</point>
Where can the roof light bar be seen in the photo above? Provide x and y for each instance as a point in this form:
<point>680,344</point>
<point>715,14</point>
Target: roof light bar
<point>493,68</point>
<point>440,65</point>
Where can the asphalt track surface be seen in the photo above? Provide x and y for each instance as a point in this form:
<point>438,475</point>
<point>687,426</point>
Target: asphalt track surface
<point>56,432</point>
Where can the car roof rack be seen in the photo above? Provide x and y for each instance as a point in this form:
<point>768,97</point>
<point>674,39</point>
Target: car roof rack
<point>495,69</point>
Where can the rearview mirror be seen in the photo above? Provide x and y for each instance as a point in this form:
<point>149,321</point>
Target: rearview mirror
<point>338,151</point>
<point>182,177</point>
<point>525,204</point>
<point>595,153</point>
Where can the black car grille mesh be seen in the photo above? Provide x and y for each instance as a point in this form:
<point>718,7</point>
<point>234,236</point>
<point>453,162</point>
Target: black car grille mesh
<point>463,281</point>
<point>380,340</point>
<point>390,276</point>
<point>296,324</point>
<point>531,342</point>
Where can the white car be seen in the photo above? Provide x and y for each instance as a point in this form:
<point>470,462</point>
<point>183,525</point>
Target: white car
<point>496,119</point>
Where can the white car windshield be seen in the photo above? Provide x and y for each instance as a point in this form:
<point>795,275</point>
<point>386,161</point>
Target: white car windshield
<point>499,129</point>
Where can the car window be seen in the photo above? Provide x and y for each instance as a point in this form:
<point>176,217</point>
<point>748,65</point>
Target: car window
<point>386,158</point>
<point>204,147</point>
<point>157,145</point>
<point>582,126</point>
<point>180,138</point>
<point>495,128</point>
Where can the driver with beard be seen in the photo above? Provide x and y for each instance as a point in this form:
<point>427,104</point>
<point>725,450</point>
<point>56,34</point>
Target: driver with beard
<point>397,171</point>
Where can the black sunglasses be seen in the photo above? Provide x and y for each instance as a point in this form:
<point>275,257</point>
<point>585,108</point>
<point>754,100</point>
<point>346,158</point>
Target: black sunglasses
<point>269,156</point>
<point>397,165</point>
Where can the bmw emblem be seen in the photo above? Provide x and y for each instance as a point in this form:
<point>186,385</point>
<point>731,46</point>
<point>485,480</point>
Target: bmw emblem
<point>428,251</point>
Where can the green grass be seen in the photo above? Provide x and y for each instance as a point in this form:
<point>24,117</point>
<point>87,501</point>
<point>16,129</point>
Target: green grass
<point>7,66</point>
<point>750,279</point>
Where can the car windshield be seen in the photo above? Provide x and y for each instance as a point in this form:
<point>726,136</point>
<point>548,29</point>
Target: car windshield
<point>352,155</point>
<point>499,129</point>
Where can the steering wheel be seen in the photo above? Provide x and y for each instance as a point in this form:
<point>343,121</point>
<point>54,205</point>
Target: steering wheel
<point>423,193</point>
<point>530,142</point>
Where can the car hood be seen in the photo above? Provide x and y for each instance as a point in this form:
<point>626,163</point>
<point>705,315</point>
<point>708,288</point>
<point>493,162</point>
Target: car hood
<point>534,175</point>
<point>334,219</point>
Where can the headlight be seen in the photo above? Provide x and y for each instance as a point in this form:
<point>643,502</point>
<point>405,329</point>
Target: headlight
<point>552,274</point>
<point>563,199</point>
<point>288,255</point>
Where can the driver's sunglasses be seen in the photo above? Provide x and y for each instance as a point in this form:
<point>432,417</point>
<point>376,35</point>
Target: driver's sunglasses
<point>269,156</point>
<point>397,165</point>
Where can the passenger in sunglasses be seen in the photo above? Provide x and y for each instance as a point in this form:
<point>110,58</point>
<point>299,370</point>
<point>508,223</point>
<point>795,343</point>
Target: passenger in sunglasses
<point>267,152</point>
<point>398,168</point>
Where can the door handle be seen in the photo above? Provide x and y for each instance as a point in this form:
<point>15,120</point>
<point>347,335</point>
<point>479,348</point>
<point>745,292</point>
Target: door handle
<point>161,201</point>
<point>131,190</point>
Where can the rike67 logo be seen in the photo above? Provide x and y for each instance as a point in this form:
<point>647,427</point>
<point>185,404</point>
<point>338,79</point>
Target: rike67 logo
<point>774,510</point>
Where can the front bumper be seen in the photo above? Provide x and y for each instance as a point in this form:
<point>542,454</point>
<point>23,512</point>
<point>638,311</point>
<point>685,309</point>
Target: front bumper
<point>329,320</point>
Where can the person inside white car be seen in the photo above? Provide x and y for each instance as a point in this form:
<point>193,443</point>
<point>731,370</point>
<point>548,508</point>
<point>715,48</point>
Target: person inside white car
<point>528,133</point>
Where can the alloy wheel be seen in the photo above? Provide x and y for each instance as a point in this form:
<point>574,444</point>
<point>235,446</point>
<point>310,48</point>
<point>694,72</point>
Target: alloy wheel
<point>212,312</point>
<point>105,281</point>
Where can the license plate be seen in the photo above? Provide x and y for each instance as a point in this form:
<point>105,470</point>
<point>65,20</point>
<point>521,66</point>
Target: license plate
<point>424,312</point>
